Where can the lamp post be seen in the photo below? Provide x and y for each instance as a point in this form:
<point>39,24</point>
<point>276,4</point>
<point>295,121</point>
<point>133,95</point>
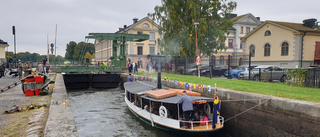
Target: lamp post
<point>197,50</point>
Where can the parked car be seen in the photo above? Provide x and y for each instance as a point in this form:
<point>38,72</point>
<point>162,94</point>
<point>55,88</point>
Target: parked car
<point>216,70</point>
<point>233,73</point>
<point>272,72</point>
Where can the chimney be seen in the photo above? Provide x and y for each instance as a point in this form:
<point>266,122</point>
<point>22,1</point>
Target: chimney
<point>124,26</point>
<point>311,23</point>
<point>258,18</point>
<point>135,20</point>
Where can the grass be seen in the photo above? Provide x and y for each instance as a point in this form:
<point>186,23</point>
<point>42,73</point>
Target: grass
<point>265,88</point>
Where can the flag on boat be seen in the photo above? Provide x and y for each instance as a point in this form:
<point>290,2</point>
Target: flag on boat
<point>216,110</point>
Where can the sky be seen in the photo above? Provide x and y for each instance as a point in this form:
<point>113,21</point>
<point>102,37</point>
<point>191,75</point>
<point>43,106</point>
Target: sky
<point>35,20</point>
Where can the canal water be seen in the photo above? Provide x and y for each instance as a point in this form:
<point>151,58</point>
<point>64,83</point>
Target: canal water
<point>103,113</point>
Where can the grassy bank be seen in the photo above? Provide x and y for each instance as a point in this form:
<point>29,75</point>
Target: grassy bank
<point>266,88</point>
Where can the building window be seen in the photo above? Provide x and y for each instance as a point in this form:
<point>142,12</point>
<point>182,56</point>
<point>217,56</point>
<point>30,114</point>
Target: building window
<point>145,25</point>
<point>140,49</point>
<point>252,50</point>
<point>139,32</point>
<point>230,43</point>
<point>152,36</point>
<point>267,50</point>
<point>221,60</point>
<point>284,49</point>
<point>241,30</point>
<point>247,30</point>
<point>152,50</point>
<point>267,33</point>
<point>240,45</point>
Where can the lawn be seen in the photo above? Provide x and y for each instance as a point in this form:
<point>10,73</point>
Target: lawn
<point>266,88</point>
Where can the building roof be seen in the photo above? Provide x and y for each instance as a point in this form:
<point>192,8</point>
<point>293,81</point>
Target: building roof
<point>2,43</point>
<point>296,28</point>
<point>238,17</point>
<point>135,24</point>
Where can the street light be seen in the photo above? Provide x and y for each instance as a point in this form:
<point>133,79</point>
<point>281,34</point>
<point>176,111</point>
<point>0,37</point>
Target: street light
<point>197,50</point>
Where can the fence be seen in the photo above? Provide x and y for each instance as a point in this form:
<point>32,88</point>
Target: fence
<point>312,78</point>
<point>188,66</point>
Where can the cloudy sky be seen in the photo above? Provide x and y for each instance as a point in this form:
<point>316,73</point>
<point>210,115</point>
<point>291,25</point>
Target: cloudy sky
<point>36,19</point>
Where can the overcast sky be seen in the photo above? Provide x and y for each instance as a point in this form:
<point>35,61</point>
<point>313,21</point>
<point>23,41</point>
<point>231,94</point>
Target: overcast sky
<point>35,19</point>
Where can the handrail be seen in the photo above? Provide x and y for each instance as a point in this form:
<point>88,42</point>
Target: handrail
<point>191,122</point>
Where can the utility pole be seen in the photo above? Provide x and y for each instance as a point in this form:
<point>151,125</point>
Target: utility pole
<point>15,53</point>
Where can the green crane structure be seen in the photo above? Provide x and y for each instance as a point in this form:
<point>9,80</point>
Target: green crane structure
<point>118,39</point>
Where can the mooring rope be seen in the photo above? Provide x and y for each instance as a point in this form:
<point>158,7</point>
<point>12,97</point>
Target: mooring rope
<point>247,110</point>
<point>238,100</point>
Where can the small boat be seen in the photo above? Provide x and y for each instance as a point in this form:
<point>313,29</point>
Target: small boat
<point>160,108</point>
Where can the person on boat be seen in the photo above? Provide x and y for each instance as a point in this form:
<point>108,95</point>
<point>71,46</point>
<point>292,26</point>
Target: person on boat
<point>129,78</point>
<point>196,117</point>
<point>187,107</point>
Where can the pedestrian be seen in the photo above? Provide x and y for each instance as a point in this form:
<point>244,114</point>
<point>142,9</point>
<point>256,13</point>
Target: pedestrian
<point>133,67</point>
<point>44,62</point>
<point>187,107</point>
<point>130,69</point>
<point>39,67</point>
<point>10,62</point>
<point>27,69</point>
<point>129,78</point>
<point>87,61</point>
<point>1,69</point>
<point>20,67</point>
<point>3,65</point>
<point>47,68</point>
<point>65,64</point>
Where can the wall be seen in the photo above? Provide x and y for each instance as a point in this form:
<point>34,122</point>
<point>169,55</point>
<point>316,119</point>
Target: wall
<point>272,116</point>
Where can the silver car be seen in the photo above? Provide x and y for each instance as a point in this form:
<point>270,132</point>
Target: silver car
<point>272,72</point>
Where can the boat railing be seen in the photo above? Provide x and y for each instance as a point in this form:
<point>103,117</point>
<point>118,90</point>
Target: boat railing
<point>195,123</point>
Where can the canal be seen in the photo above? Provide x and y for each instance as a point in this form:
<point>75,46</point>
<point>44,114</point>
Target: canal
<point>104,113</point>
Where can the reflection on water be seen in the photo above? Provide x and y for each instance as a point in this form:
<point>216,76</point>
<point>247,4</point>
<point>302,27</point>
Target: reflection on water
<point>104,113</point>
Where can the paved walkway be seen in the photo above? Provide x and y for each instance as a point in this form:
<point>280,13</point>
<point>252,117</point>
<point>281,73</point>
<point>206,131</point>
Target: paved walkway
<point>61,121</point>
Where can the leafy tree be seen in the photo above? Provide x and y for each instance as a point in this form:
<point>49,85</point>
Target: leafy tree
<point>70,50</point>
<point>82,48</point>
<point>87,55</point>
<point>176,20</point>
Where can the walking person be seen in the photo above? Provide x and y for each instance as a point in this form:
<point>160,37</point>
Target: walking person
<point>20,67</point>
<point>27,69</point>
<point>187,107</point>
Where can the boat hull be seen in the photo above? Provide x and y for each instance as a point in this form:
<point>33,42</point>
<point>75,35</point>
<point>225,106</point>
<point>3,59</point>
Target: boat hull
<point>169,128</point>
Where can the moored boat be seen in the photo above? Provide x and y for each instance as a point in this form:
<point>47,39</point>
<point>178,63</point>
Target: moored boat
<point>160,108</point>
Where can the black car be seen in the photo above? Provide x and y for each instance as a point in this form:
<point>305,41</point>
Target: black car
<point>217,70</point>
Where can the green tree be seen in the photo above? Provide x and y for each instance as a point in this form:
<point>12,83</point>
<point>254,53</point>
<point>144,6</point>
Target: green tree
<point>176,20</point>
<point>88,55</point>
<point>82,48</point>
<point>70,50</point>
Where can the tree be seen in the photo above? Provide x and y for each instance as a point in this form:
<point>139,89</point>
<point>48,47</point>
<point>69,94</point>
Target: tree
<point>82,48</point>
<point>87,55</point>
<point>176,24</point>
<point>70,50</point>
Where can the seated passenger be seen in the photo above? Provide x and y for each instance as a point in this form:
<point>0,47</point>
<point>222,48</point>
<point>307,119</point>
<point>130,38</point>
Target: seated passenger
<point>204,119</point>
<point>196,117</point>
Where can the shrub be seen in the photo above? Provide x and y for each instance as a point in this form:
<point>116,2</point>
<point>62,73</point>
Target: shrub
<point>296,77</point>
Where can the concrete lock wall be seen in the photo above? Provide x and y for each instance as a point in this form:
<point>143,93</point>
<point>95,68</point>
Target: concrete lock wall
<point>249,114</point>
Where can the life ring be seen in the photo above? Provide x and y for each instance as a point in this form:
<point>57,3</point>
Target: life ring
<point>163,111</point>
<point>207,108</point>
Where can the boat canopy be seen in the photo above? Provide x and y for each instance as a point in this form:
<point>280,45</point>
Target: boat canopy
<point>137,87</point>
<point>175,99</point>
<point>140,87</point>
